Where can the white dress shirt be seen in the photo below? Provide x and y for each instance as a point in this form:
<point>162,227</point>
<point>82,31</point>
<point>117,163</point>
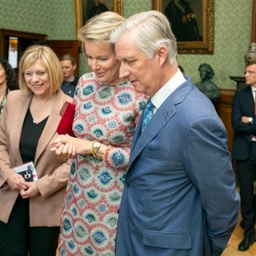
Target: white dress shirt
<point>162,94</point>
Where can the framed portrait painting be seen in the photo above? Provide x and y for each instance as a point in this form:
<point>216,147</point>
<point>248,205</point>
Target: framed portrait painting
<point>85,9</point>
<point>192,22</point>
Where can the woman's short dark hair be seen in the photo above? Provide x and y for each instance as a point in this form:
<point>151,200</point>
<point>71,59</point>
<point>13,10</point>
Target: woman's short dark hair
<point>10,74</point>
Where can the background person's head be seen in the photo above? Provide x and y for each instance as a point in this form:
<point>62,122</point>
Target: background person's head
<point>250,73</point>
<point>48,60</point>
<point>68,66</point>
<point>7,75</point>
<point>252,62</point>
<point>96,2</point>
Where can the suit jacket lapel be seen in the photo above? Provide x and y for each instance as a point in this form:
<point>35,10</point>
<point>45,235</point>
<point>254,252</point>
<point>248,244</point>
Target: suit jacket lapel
<point>51,125</point>
<point>137,132</point>
<point>19,116</point>
<point>161,117</point>
<point>250,99</point>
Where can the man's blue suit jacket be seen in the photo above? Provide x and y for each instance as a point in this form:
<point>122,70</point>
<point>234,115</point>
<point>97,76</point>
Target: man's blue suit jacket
<point>179,196</point>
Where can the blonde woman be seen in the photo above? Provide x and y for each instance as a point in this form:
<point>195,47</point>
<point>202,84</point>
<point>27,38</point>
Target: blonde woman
<point>30,211</point>
<point>107,112</point>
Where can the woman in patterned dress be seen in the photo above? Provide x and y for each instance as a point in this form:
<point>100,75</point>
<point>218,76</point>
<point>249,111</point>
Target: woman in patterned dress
<point>107,112</point>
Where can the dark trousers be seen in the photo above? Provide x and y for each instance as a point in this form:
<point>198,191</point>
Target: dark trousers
<point>17,238</point>
<point>246,175</point>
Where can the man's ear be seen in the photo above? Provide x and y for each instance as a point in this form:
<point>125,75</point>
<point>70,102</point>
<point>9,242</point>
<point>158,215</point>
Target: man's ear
<point>162,54</point>
<point>74,67</point>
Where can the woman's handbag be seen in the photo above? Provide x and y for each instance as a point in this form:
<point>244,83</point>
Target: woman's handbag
<point>67,113</point>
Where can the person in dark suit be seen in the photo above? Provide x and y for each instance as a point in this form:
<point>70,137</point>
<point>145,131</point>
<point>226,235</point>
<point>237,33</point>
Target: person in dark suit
<point>180,194</point>
<point>244,151</point>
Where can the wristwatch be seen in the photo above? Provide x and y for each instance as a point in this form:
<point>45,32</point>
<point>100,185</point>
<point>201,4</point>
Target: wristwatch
<point>250,120</point>
<point>95,148</point>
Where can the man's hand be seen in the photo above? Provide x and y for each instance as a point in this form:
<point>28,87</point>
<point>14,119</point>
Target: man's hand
<point>229,241</point>
<point>245,119</point>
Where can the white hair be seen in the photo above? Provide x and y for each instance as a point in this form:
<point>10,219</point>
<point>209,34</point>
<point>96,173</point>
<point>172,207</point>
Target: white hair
<point>152,29</point>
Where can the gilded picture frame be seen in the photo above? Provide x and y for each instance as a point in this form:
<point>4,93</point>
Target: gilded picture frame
<point>81,5</point>
<point>204,11</point>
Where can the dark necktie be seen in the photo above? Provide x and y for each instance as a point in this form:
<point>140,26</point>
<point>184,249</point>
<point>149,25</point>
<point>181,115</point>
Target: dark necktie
<point>148,114</point>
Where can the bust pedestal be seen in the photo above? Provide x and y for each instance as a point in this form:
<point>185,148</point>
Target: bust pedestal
<point>240,82</point>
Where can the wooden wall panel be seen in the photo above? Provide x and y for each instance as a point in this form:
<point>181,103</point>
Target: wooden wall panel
<point>224,108</point>
<point>62,47</point>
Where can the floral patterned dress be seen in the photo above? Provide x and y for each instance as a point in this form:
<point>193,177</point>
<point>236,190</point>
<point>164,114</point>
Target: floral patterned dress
<point>108,114</point>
